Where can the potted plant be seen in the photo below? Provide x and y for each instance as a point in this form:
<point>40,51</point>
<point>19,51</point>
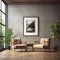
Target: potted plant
<point>55,32</point>
<point>8,37</point>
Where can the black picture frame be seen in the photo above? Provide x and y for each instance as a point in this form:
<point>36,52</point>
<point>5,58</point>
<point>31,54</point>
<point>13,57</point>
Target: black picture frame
<point>30,26</point>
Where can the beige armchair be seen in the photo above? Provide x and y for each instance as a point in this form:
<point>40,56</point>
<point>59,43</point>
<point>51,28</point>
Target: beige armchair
<point>18,44</point>
<point>44,43</point>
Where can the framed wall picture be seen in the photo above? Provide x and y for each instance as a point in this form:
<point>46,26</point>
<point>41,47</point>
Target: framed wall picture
<point>30,26</point>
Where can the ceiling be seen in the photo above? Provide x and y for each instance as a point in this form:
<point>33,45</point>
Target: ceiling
<point>32,1</point>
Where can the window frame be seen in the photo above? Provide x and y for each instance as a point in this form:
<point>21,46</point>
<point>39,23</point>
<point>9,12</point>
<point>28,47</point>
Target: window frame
<point>3,25</point>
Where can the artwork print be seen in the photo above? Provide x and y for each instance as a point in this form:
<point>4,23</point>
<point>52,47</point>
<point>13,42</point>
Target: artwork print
<point>30,26</point>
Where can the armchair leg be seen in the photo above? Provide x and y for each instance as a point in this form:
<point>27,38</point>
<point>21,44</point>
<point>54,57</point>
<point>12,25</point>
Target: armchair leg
<point>44,49</point>
<point>26,49</point>
<point>49,49</point>
<point>14,50</point>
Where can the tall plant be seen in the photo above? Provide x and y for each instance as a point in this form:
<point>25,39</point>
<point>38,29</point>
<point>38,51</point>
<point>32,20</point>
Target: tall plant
<point>8,36</point>
<point>55,31</point>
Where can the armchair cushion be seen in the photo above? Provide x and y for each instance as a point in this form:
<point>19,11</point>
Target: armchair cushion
<point>44,43</point>
<point>17,41</point>
<point>38,46</point>
<point>20,45</point>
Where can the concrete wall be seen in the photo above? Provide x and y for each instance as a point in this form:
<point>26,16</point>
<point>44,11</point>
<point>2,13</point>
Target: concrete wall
<point>46,13</point>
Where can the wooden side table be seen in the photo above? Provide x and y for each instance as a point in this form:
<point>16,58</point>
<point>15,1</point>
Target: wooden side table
<point>30,45</point>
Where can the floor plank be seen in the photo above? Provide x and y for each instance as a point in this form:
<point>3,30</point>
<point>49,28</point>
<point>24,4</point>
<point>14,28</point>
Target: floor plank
<point>11,55</point>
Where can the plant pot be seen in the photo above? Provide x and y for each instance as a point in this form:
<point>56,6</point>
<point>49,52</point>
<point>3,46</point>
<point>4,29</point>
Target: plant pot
<point>8,47</point>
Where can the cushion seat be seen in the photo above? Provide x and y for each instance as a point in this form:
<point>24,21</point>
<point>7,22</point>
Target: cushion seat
<point>38,46</point>
<point>20,45</point>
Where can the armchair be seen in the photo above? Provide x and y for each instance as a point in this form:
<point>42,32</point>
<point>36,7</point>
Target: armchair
<point>19,45</point>
<point>44,43</point>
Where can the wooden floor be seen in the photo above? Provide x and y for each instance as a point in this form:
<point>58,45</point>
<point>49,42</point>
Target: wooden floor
<point>11,55</point>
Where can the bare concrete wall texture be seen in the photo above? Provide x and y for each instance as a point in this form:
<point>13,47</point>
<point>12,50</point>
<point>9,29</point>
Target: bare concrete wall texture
<point>47,15</point>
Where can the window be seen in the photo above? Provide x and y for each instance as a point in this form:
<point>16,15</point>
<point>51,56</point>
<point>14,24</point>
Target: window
<point>0,4</point>
<point>3,18</point>
<point>0,16</point>
<point>2,23</point>
<point>3,7</point>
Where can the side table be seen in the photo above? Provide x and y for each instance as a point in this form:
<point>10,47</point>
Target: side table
<point>30,45</point>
